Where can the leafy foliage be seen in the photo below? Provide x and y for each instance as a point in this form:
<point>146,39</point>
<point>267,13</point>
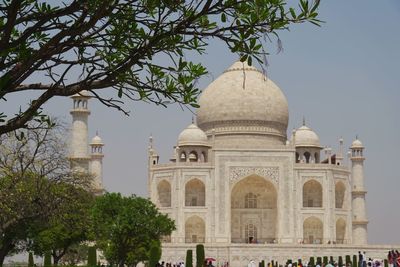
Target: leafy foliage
<point>125,227</point>
<point>35,185</point>
<point>189,258</point>
<point>154,254</point>
<point>137,49</point>
<point>92,257</point>
<point>200,255</point>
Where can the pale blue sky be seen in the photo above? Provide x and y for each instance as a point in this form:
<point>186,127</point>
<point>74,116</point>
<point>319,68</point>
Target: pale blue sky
<point>343,77</point>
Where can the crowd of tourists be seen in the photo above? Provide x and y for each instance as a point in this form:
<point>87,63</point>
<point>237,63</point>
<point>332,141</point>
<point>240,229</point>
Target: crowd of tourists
<point>394,258</point>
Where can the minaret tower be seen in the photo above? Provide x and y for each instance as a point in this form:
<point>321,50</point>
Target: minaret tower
<point>358,193</point>
<point>96,164</point>
<point>79,155</point>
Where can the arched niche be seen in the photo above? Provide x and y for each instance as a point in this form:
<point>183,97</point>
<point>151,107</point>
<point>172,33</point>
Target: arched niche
<point>195,230</point>
<point>253,211</point>
<point>313,231</point>
<point>195,193</point>
<point>340,190</point>
<point>312,194</point>
<point>340,231</point>
<point>164,193</point>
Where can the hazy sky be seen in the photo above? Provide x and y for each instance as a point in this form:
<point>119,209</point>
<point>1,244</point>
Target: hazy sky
<point>343,77</point>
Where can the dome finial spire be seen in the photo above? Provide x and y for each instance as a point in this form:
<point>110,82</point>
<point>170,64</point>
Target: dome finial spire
<point>304,120</point>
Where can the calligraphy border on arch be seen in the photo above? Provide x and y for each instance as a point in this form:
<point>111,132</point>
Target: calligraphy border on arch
<point>237,172</point>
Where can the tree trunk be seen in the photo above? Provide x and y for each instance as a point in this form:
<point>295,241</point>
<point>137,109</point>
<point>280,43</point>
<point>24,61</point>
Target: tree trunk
<point>4,250</point>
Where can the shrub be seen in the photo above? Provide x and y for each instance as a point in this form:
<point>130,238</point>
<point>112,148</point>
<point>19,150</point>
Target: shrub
<point>47,259</point>
<point>325,260</point>
<point>200,257</point>
<point>155,254</point>
<point>354,261</point>
<point>189,258</point>
<point>30,260</point>
<point>348,259</point>
<point>311,263</point>
<point>92,257</point>
<point>340,261</point>
<point>319,260</point>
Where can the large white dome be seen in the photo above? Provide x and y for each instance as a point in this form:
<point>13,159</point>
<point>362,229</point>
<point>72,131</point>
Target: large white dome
<point>244,101</point>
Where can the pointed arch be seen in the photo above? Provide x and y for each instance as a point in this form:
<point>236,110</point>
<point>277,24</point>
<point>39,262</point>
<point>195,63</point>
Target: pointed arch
<point>340,190</point>
<point>164,193</point>
<point>312,194</point>
<point>313,230</point>
<point>340,231</point>
<point>195,230</point>
<point>253,210</point>
<point>195,193</point>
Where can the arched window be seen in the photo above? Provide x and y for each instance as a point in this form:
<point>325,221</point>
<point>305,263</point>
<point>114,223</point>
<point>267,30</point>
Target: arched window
<point>193,156</point>
<point>313,231</point>
<point>250,233</point>
<point>164,193</point>
<point>250,201</point>
<point>312,194</point>
<point>297,157</point>
<point>340,190</point>
<point>307,155</point>
<point>195,230</point>
<point>195,193</point>
<point>183,157</point>
<point>340,231</point>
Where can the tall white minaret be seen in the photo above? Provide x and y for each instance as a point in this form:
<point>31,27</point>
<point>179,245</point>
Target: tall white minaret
<point>79,155</point>
<point>96,164</point>
<point>358,193</point>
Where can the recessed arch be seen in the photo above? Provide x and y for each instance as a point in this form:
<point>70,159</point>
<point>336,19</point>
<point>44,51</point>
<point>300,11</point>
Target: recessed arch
<point>312,194</point>
<point>164,193</point>
<point>193,156</point>
<point>313,230</point>
<point>253,211</point>
<point>340,231</point>
<point>307,156</point>
<point>195,193</point>
<point>340,190</point>
<point>195,230</point>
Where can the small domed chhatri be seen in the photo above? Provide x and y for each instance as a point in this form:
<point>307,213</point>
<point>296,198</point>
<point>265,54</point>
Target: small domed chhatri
<point>97,140</point>
<point>244,102</point>
<point>306,137</point>
<point>357,144</point>
<point>192,135</point>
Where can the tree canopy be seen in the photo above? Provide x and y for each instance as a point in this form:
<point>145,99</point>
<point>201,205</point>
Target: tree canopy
<point>36,187</point>
<point>126,227</point>
<point>137,48</point>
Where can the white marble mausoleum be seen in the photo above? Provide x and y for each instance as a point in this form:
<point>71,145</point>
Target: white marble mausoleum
<point>246,189</point>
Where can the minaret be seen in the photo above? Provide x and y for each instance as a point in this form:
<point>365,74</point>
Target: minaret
<point>339,155</point>
<point>358,194</point>
<point>153,156</point>
<point>96,164</point>
<point>79,140</point>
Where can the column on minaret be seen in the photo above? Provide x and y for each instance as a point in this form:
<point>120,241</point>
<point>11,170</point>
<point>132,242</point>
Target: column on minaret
<point>96,164</point>
<point>79,155</point>
<point>358,193</point>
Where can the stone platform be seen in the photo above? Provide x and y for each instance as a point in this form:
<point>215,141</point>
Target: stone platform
<point>239,255</point>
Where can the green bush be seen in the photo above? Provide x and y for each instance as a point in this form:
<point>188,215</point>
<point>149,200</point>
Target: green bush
<point>354,260</point>
<point>311,263</point>
<point>189,258</point>
<point>386,263</point>
<point>262,263</point>
<point>348,259</point>
<point>92,257</point>
<point>47,259</point>
<point>331,260</point>
<point>154,254</point>
<point>200,255</point>
<point>325,260</point>
<point>30,260</point>
<point>340,261</point>
<point>319,260</point>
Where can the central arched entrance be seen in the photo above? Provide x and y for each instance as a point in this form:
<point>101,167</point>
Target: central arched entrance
<point>253,211</point>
